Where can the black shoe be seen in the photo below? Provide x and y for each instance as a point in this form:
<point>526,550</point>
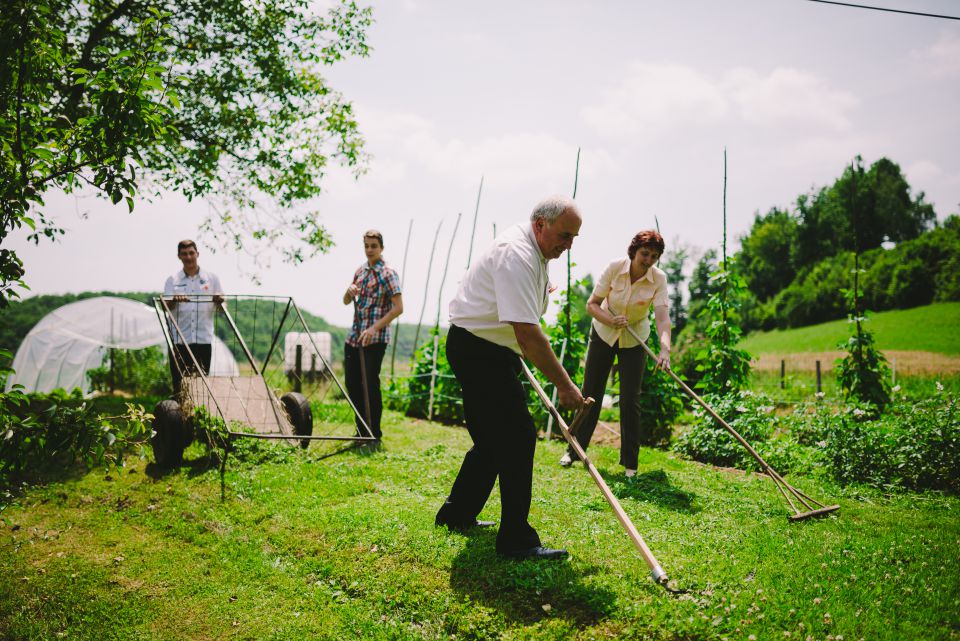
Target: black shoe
<point>463,527</point>
<point>538,552</point>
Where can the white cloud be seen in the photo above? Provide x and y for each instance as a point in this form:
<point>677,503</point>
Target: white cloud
<point>788,97</point>
<point>408,144</point>
<point>942,58</point>
<point>923,172</point>
<point>653,98</point>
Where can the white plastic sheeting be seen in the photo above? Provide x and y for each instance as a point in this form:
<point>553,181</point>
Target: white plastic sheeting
<point>69,341</point>
<point>314,349</point>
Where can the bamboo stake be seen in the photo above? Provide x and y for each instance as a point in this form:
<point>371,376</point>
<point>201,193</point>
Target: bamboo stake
<point>576,179</point>
<point>553,397</point>
<point>426,288</point>
<point>446,265</point>
<point>433,375</point>
<point>659,576</point>
<point>403,273</point>
<point>473,232</point>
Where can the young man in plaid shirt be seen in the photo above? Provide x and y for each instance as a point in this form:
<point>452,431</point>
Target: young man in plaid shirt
<point>375,292</point>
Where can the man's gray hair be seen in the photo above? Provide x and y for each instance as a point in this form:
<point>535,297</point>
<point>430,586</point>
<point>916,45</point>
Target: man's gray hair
<point>550,208</point>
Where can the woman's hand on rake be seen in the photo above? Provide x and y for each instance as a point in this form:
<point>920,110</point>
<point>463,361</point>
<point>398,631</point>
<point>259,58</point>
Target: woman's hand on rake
<point>663,362</point>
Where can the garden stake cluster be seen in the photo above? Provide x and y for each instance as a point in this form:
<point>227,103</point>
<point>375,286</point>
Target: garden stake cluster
<point>811,507</point>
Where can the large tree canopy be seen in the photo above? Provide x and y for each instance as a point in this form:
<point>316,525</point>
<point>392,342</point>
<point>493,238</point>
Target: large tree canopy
<point>782,246</point>
<point>881,199</point>
<point>211,98</point>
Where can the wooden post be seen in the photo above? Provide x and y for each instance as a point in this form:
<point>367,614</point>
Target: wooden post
<point>433,375</point>
<point>298,370</point>
<point>819,388</point>
<point>783,373</point>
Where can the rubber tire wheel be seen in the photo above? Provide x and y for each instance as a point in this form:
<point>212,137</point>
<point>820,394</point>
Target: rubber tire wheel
<point>171,434</point>
<point>298,409</point>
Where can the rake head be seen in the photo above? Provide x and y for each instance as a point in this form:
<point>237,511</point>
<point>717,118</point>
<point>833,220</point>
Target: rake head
<point>799,516</point>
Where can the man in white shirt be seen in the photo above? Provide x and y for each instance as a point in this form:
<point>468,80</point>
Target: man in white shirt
<point>192,294</point>
<point>494,318</point>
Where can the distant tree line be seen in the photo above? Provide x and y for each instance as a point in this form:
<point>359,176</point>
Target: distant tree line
<point>797,263</point>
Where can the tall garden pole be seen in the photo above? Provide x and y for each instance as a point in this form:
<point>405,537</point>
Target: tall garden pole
<point>576,177</point>
<point>723,285</point>
<point>403,274</point>
<point>446,266</point>
<point>433,375</point>
<point>436,324</point>
<point>426,288</point>
<point>473,232</point>
<point>553,397</point>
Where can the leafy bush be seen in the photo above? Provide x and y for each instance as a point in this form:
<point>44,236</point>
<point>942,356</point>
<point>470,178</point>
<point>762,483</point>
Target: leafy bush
<point>914,446</point>
<point>447,394</point>
<point>723,367</point>
<point>751,415</point>
<point>660,399</point>
<point>47,431</point>
<point>863,373</point>
<point>142,372</point>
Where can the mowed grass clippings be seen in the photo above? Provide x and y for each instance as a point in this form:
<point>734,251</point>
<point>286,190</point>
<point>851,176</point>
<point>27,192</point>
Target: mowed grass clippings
<point>343,546</point>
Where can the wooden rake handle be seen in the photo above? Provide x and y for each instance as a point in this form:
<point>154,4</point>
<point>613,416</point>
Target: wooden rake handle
<point>655,570</point>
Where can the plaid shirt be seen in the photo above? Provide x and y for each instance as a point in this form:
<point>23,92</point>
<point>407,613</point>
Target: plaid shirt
<point>378,284</point>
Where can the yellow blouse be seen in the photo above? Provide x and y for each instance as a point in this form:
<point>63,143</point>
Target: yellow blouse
<point>620,296</point>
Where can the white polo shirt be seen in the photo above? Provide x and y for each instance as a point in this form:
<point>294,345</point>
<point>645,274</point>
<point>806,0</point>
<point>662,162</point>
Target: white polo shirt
<point>195,319</point>
<point>633,300</point>
<point>508,283</point>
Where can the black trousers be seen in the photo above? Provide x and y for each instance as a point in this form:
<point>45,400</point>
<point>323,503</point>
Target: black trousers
<point>181,363</point>
<point>596,372</point>
<point>504,440</point>
<point>353,373</point>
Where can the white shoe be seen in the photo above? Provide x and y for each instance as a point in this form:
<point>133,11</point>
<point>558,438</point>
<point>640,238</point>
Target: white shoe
<point>630,473</point>
<point>566,460</point>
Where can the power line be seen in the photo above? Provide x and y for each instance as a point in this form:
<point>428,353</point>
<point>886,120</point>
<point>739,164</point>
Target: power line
<point>864,6</point>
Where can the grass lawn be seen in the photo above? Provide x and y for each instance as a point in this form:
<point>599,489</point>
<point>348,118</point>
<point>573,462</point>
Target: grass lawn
<point>344,547</point>
<point>932,328</point>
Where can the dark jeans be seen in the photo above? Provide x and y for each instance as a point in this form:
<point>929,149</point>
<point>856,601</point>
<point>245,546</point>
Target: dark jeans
<point>182,365</point>
<point>596,372</point>
<point>504,440</point>
<point>353,373</point>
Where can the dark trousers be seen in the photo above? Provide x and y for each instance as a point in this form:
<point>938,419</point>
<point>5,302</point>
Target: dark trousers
<point>353,373</point>
<point>596,372</point>
<point>181,364</point>
<point>504,440</point>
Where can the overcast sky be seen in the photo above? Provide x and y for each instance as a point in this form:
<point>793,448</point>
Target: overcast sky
<point>652,91</point>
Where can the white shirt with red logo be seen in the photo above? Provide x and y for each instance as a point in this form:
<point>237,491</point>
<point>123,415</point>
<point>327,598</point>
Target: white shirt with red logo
<point>195,319</point>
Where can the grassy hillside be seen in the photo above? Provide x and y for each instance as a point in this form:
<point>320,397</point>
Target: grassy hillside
<point>344,547</point>
<point>932,328</point>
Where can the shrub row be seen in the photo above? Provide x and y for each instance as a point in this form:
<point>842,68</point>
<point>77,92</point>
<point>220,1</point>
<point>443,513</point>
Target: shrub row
<point>912,446</point>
